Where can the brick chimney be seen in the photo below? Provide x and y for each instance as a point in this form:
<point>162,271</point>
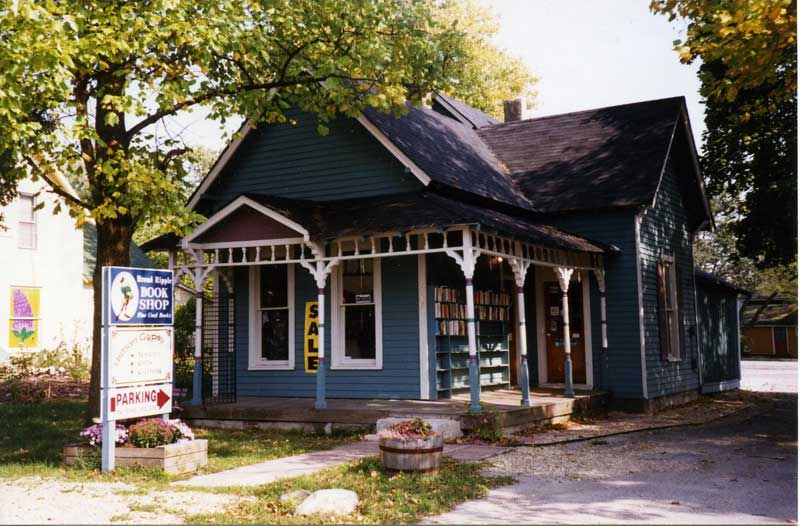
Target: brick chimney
<point>514,109</point>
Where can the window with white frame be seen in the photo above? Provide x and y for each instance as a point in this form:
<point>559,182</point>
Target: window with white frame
<point>357,319</point>
<point>271,317</point>
<point>669,316</point>
<point>26,221</point>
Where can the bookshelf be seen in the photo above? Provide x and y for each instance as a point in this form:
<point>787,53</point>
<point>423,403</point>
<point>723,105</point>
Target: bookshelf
<point>492,313</point>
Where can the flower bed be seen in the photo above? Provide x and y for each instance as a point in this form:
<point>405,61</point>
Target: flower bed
<point>153,442</point>
<point>411,445</point>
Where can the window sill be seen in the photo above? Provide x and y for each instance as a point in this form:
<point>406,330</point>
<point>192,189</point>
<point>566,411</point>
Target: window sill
<point>356,367</point>
<point>270,367</point>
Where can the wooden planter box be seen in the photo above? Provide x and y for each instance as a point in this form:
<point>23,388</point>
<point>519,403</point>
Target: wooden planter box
<point>412,455</point>
<point>182,457</point>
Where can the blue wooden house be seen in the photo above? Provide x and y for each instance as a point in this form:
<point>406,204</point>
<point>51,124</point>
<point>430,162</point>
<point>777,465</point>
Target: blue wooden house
<point>444,254</point>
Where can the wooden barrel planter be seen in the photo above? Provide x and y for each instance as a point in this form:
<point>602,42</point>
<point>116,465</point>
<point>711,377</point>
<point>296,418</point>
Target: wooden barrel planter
<point>421,454</point>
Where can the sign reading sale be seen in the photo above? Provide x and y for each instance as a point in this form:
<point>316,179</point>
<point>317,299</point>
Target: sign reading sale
<point>133,402</point>
<point>311,337</point>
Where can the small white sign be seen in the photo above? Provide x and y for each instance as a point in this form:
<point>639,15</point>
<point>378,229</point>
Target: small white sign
<point>133,402</point>
<point>141,355</point>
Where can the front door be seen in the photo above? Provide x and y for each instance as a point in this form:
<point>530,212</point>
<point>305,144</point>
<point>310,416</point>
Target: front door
<point>554,332</point>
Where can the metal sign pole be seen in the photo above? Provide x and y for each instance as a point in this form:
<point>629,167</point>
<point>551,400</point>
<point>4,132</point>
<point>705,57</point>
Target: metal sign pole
<point>109,426</point>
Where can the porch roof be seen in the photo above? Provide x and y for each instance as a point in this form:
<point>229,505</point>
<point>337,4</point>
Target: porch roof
<point>329,220</point>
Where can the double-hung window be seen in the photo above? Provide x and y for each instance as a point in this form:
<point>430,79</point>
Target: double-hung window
<point>669,315</point>
<point>356,315</point>
<point>26,222</point>
<point>271,317</point>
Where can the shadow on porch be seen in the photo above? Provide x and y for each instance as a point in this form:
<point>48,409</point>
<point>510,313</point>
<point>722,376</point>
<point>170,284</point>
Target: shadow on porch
<point>547,405</point>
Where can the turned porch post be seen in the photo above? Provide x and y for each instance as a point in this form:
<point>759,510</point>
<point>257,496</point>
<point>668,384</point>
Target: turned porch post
<point>564,274</point>
<point>520,268</point>
<point>469,271</point>
<point>320,271</point>
<point>600,276</point>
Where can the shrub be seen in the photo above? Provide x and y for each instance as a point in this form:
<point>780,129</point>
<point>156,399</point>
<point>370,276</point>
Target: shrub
<point>416,428</point>
<point>152,432</point>
<point>73,360</point>
<point>490,425</point>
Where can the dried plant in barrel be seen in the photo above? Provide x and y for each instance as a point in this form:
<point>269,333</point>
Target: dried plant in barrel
<point>411,445</point>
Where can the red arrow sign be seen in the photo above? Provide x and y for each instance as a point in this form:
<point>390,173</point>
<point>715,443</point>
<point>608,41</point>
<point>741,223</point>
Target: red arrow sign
<point>162,398</point>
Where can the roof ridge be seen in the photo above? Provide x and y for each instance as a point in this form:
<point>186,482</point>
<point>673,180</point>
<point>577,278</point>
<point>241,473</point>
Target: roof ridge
<point>577,112</point>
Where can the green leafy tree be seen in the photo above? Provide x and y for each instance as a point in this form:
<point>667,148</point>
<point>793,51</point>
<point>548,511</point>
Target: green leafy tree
<point>486,75</point>
<point>85,88</point>
<point>749,82</point>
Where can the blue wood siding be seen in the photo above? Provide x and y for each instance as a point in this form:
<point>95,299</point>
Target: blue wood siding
<point>664,231</point>
<point>616,227</point>
<point>719,333</point>
<point>399,377</point>
<point>295,161</point>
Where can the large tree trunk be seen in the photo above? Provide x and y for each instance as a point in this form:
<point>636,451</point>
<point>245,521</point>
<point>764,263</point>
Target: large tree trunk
<point>113,249</point>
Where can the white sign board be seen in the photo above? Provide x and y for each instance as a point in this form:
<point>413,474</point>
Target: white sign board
<point>140,355</point>
<point>133,402</point>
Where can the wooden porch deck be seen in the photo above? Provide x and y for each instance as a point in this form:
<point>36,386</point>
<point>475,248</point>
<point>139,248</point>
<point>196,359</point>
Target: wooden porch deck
<point>351,413</point>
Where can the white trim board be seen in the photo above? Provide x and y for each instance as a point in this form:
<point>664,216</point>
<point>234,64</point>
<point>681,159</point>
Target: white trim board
<point>234,206</point>
<point>541,340</point>
<point>422,306</point>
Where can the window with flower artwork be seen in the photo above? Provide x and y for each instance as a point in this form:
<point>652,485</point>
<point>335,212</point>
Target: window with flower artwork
<point>24,322</point>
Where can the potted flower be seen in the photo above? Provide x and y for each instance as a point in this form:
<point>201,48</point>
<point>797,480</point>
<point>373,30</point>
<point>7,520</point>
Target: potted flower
<point>410,445</point>
<point>153,442</point>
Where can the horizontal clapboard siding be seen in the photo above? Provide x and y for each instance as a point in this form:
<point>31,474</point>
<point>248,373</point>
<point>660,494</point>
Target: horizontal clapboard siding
<point>615,227</point>
<point>399,377</point>
<point>664,231</point>
<point>295,161</point>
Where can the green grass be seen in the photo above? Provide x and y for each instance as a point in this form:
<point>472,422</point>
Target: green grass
<point>387,498</point>
<point>32,437</point>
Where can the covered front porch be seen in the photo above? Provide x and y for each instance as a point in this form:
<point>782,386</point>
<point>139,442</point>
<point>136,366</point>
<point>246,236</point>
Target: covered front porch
<point>546,405</point>
<point>405,302</point>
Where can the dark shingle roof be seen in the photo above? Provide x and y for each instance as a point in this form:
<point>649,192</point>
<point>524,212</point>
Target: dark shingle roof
<point>138,258</point>
<point>450,153</point>
<point>714,280</point>
<point>326,220</point>
<point>779,313</point>
<point>462,112</point>
<point>607,157</point>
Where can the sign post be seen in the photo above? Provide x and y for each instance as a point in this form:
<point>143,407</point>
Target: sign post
<point>136,361</point>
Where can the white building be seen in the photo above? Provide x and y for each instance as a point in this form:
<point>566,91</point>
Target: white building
<point>46,266</point>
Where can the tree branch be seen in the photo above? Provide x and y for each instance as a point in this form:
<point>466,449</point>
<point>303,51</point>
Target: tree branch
<point>155,117</point>
<point>170,156</point>
<point>54,187</point>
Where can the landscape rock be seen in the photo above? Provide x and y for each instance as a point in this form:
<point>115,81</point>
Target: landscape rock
<point>329,502</point>
<point>296,495</point>
<point>448,428</point>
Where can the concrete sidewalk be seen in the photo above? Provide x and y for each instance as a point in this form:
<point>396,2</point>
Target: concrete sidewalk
<point>282,468</point>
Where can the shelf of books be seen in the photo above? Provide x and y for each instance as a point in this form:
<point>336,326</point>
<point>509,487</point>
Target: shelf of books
<point>492,310</point>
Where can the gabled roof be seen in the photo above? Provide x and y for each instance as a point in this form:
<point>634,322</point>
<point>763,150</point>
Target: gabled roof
<point>781,312</point>
<point>587,160</point>
<point>713,280</point>
<point>607,157</point>
<point>451,153</point>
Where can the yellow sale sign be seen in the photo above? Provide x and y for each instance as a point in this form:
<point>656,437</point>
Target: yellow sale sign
<point>311,337</point>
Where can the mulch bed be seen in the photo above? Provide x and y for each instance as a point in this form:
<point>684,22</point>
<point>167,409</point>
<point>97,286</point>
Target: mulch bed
<point>43,389</point>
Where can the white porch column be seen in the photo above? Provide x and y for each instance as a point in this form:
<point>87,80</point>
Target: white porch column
<point>520,268</point>
<point>600,276</point>
<point>197,375</point>
<point>564,274</point>
<point>469,271</point>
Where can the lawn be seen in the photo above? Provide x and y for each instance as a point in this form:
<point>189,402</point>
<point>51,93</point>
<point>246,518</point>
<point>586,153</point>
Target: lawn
<point>386,498</point>
<point>32,437</point>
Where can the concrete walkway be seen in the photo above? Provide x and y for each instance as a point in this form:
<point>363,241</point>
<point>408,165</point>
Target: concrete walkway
<point>282,468</point>
<point>768,376</point>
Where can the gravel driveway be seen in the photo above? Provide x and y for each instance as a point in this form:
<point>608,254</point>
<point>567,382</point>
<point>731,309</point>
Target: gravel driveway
<point>737,470</point>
